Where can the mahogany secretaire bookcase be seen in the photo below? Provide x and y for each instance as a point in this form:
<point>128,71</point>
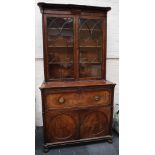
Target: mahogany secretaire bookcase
<point>77,101</point>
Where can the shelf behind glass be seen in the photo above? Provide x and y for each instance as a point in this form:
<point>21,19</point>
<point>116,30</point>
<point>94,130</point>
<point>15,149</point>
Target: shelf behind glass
<point>90,70</point>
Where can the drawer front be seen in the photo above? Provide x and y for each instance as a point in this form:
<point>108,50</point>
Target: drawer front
<point>80,99</point>
<point>61,100</point>
<point>96,97</point>
<point>61,126</point>
<point>95,122</point>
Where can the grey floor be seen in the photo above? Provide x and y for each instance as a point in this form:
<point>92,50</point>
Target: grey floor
<point>100,148</point>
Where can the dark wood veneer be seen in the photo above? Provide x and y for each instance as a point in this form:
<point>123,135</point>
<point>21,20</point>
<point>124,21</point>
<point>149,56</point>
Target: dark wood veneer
<point>77,100</point>
<point>72,7</point>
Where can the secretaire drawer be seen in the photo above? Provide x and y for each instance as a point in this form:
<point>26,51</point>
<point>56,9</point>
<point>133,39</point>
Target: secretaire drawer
<point>78,99</point>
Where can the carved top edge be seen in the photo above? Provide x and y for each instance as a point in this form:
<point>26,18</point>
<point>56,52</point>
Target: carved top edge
<point>43,6</point>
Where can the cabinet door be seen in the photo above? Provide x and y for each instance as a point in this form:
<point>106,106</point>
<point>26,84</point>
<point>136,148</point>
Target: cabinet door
<point>60,47</point>
<point>90,48</point>
<point>61,125</point>
<point>95,122</point>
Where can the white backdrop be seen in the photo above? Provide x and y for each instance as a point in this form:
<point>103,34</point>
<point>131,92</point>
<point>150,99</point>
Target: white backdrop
<point>112,47</point>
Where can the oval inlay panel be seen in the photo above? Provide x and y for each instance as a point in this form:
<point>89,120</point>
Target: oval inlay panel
<point>62,127</point>
<point>93,124</point>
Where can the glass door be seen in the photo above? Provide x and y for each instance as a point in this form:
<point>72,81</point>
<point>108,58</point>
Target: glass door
<point>90,48</point>
<point>60,48</point>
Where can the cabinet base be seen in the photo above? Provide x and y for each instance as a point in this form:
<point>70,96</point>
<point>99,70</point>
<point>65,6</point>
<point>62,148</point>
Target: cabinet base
<point>49,146</point>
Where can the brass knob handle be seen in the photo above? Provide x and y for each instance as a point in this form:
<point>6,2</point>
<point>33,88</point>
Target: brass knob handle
<point>97,98</point>
<point>61,100</point>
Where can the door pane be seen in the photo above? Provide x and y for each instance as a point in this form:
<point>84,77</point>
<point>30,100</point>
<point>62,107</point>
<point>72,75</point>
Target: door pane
<point>60,47</point>
<point>90,47</point>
